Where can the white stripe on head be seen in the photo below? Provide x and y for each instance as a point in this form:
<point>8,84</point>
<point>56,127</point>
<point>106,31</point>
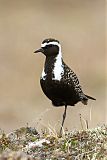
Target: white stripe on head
<point>53,43</point>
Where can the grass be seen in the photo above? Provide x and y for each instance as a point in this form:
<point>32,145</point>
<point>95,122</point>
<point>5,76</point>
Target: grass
<point>26,143</point>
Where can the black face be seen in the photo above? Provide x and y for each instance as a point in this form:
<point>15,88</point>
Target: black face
<point>50,50</point>
<point>49,47</point>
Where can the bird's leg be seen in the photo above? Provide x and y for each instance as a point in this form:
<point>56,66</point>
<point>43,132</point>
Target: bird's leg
<point>64,116</point>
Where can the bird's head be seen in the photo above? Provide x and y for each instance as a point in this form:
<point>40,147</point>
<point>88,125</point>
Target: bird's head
<point>50,47</point>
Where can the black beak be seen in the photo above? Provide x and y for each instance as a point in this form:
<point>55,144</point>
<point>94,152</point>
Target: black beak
<point>39,50</point>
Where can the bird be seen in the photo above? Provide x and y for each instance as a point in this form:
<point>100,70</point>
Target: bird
<point>58,82</point>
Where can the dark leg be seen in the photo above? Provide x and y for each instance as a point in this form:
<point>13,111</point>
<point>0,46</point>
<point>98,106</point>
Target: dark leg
<point>64,116</point>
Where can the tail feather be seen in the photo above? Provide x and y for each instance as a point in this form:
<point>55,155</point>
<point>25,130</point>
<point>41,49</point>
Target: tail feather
<point>89,97</point>
<point>85,99</point>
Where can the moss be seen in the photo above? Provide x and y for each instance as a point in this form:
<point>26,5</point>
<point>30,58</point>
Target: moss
<point>83,144</point>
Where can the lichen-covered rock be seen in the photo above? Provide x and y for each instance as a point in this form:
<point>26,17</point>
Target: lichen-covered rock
<point>14,155</point>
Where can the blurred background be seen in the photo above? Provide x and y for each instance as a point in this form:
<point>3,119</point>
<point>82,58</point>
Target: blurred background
<point>80,27</point>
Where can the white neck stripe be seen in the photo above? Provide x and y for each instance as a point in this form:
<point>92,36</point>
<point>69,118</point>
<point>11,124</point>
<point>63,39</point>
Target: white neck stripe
<point>58,67</point>
<point>53,43</point>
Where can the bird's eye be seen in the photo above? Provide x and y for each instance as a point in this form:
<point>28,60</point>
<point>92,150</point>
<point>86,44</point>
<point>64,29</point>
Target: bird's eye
<point>50,45</point>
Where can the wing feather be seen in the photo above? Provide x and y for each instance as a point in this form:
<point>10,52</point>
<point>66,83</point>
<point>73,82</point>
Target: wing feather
<point>72,80</point>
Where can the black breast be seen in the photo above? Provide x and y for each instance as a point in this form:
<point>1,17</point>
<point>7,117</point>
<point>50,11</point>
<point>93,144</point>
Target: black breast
<point>59,92</point>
